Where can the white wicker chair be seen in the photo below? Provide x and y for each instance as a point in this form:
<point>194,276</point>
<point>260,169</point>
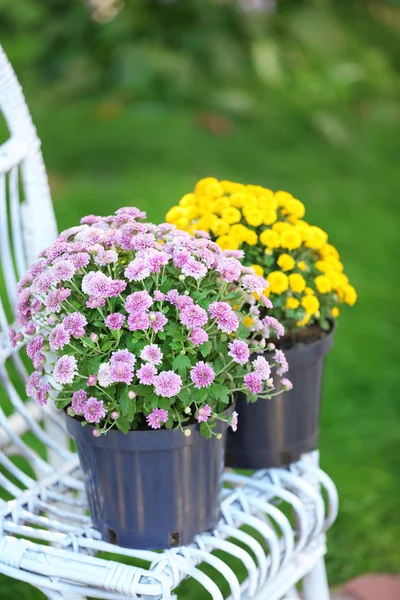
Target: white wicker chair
<point>46,537</point>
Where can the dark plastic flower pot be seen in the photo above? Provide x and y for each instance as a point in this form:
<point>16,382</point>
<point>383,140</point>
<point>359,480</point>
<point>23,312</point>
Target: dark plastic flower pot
<point>276,432</point>
<point>151,489</point>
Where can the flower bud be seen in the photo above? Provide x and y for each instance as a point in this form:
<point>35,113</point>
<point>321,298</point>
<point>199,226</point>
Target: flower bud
<point>187,432</point>
<point>188,410</point>
<point>183,351</point>
<point>94,337</point>
<point>182,277</point>
<point>270,347</point>
<point>114,415</point>
<point>152,317</point>
<point>96,433</point>
<point>131,395</point>
<point>70,411</point>
<point>219,436</point>
<point>91,380</point>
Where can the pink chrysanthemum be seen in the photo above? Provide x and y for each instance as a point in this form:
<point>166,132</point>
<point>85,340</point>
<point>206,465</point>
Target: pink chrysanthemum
<point>254,382</point>
<point>35,346</point>
<point>56,298</point>
<point>158,296</point>
<point>115,320</point>
<point>254,283</point>
<point>93,410</point>
<point>121,372</point>
<point>78,401</point>
<point>137,270</point>
<point>183,302</point>
<point>227,320</point>
<point>123,356</point>
<point>146,373</point>
<point>234,420</point>
<point>239,351</point>
<point>272,323</point>
<point>198,336</point>
<point>281,362</point>
<point>262,367</point>
<point>63,270</point>
<point>105,257</point>
<point>42,393</point>
<point>167,384</point>
<point>287,384</point>
<point>59,337</point>
<point>32,383</point>
<point>266,301</point>
<point>80,260</point>
<point>230,269</point>
<point>91,380</point>
<point>152,353</point>
<point>203,414</point>
<point>194,269</point>
<point>157,321</point>
<point>138,321</point>
<point>75,323</point>
<point>65,369</point>
<point>202,375</point>
<point>30,328</point>
<point>103,375</point>
<point>156,260</point>
<point>157,417</point>
<point>138,302</point>
<point>193,316</point>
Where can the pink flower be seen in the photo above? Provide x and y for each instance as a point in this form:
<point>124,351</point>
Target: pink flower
<point>234,420</point>
<point>287,384</point>
<point>137,270</point>
<point>32,383</point>
<point>146,373</point>
<point>172,296</point>
<point>156,260</point>
<point>123,356</point>
<point>227,320</point>
<point>203,414</point>
<point>105,257</point>
<point>198,336</point>
<point>239,351</point>
<point>78,401</point>
<point>266,301</point>
<point>90,220</point>
<point>93,410</point>
<point>80,259</point>
<point>75,323</point>
<point>95,302</point>
<point>193,316</point>
<point>281,362</point>
<point>56,298</point>
<point>42,283</point>
<point>193,268</point>
<point>115,320</point>
<point>30,328</point>
<point>152,353</point>
<point>42,393</point>
<point>261,366</point>
<point>91,380</point>
<point>138,321</point>
<point>121,372</point>
<point>272,323</point>
<point>183,302</point>
<point>158,296</point>
<point>65,369</point>
<point>96,283</point>
<point>63,270</point>
<point>157,417</point>
<point>230,269</point>
<point>38,361</point>
<point>167,384</point>
<point>254,382</point>
<point>138,302</point>
<point>157,321</point>
<point>141,241</point>
<point>116,287</point>
<point>254,283</point>
<point>103,375</point>
<point>181,256</point>
<point>202,375</point>
<point>35,346</point>
<point>58,337</point>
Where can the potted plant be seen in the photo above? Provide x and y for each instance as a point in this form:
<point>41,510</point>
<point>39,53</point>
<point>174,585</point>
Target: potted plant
<point>306,284</point>
<point>139,333</point>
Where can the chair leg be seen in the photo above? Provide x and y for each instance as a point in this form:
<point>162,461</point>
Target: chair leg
<point>315,583</point>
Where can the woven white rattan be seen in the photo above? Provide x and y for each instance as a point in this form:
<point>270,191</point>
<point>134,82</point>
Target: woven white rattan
<point>272,531</point>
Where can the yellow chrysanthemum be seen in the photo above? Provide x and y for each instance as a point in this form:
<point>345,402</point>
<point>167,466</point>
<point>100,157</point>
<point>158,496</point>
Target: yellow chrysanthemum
<point>286,262</point>
<point>248,321</point>
<point>231,215</point>
<point>251,237</point>
<point>278,282</point>
<point>292,303</point>
<point>310,304</point>
<point>253,216</point>
<point>318,238</point>
<point>203,183</point>
<point>334,278</point>
<point>335,312</point>
<point>270,238</point>
<point>350,295</point>
<point>304,230</point>
<point>281,226</point>
<point>258,269</point>
<point>188,200</point>
<point>182,223</point>
<point>227,242</point>
<point>329,250</point>
<point>302,265</point>
<point>174,213</point>
<point>238,199</point>
<point>303,321</point>
<point>309,291</point>
<point>220,227</point>
<point>191,212</point>
<point>220,204</point>
<point>296,208</point>
<point>266,199</point>
<point>239,232</point>
<point>323,284</point>
<point>297,282</point>
<point>269,216</point>
<point>334,263</point>
<point>230,186</point>
<point>282,198</point>
<point>290,239</point>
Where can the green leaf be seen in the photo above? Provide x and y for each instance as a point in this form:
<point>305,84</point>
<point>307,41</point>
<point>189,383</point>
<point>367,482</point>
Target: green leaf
<point>123,424</point>
<point>219,392</point>
<point>205,430</point>
<point>62,403</point>
<point>205,349</point>
<point>173,330</point>
<point>181,363</point>
<point>107,345</point>
<point>184,396</point>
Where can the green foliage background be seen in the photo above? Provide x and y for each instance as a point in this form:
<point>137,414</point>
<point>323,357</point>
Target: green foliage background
<point>307,100</point>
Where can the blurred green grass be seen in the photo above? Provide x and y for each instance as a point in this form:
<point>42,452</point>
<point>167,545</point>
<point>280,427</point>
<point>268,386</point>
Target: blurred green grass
<point>150,155</point>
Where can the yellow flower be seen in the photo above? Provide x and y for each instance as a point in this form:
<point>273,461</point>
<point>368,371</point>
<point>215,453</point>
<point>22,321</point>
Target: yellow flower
<point>266,199</point>
<point>343,279</point>
<point>251,238</point>
<point>255,189</point>
<point>290,239</point>
<point>286,262</point>
<point>292,303</point>
<point>297,283</point>
<point>318,238</point>
<point>335,312</point>
<point>281,226</point>
<point>295,208</point>
<point>278,282</point>
<point>282,198</point>
<point>227,242</point>
<point>238,199</point>
<point>191,212</point>
<point>323,284</point>
<point>334,263</point>
<point>248,321</point>
<point>334,278</point>
<point>230,187</point>
<point>239,232</point>
<point>329,250</point>
<point>322,266</point>
<point>253,216</point>
<point>258,269</point>
<point>206,221</point>
<point>231,215</point>
<point>303,321</point>
<point>203,183</point>
<point>213,189</point>
<point>310,304</point>
<point>302,265</point>
<point>304,230</point>
<point>188,200</point>
<point>350,295</point>
<point>269,216</point>
<point>270,238</point>
<point>220,205</point>
<point>309,291</point>
<point>182,223</point>
<point>219,227</point>
<point>173,214</point>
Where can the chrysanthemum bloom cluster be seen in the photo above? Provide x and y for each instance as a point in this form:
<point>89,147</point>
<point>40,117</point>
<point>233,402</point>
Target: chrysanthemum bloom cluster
<point>134,325</point>
<point>305,275</point>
